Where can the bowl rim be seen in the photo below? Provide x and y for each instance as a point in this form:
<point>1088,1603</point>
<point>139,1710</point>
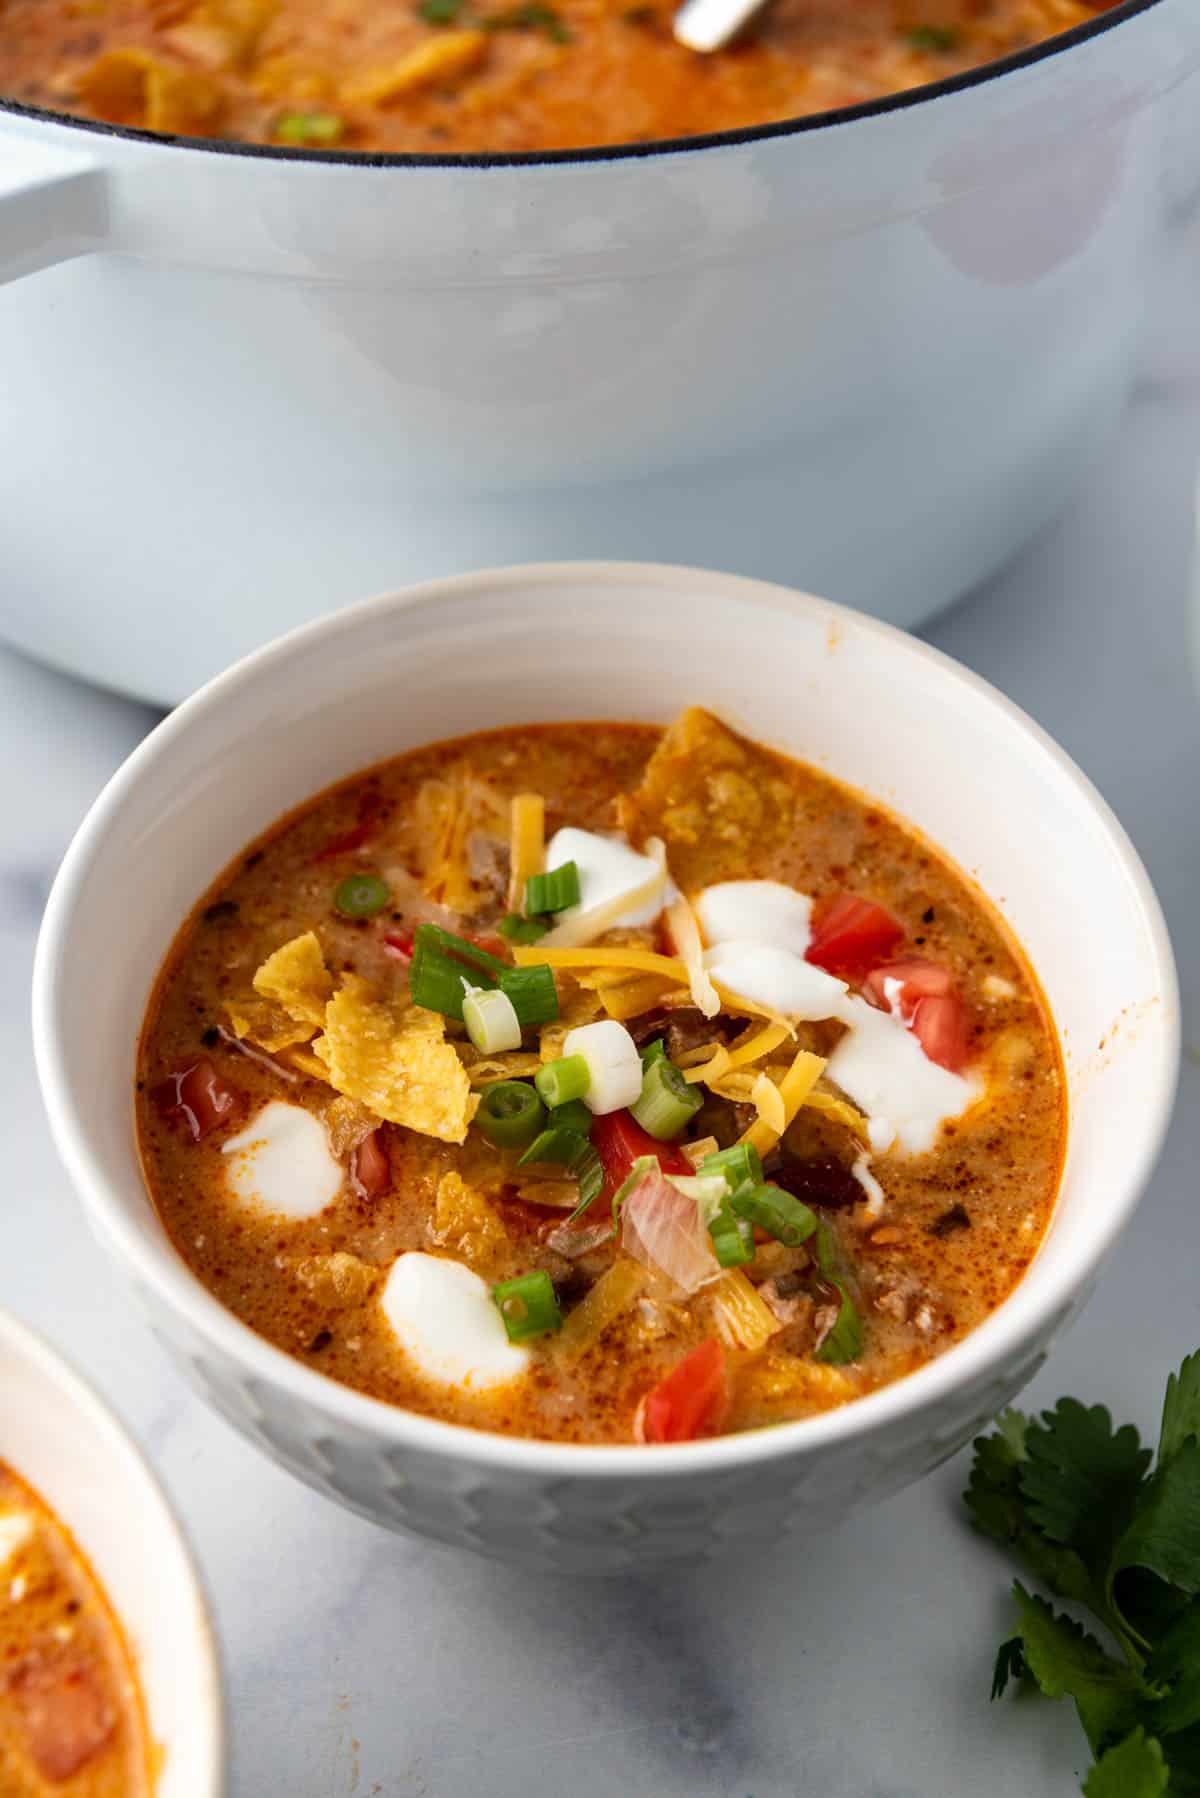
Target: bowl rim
<point>798,125</point>
<point>1006,1332</point>
<point>29,1346</point>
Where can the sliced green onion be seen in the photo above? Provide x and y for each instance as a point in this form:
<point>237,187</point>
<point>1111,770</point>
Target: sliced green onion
<point>588,1169</point>
<point>574,1114</point>
<point>432,936</point>
<point>308,128</point>
<point>510,1114</point>
<point>563,1080</point>
<point>553,891</point>
<point>515,929</point>
<point>654,1051</point>
<point>557,1143</point>
<point>492,1024</point>
<point>932,37</point>
<point>666,1103</point>
<point>436,982</point>
<point>732,1238</point>
<point>738,1164</point>
<point>533,994</point>
<point>844,1342</point>
<point>774,1211</point>
<point>361,896</point>
<point>528,1305</point>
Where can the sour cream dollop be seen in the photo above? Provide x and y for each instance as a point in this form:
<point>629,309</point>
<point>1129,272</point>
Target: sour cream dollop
<point>756,911</point>
<point>443,1316</point>
<point>881,1065</point>
<point>776,979</point>
<point>281,1163</point>
<point>608,870</point>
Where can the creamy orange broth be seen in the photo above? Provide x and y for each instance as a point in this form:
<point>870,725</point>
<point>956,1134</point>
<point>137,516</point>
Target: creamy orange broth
<point>479,75</point>
<point>71,1717</point>
<point>960,1224</point>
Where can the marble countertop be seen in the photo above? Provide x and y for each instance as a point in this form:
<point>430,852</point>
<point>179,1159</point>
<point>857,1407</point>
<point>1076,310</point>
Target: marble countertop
<point>361,1665</point>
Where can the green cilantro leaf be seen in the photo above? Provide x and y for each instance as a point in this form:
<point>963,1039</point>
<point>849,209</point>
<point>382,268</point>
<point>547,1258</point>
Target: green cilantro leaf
<point>1075,1501</point>
<point>1174,1669</point>
<point>1133,1769</point>
<point>998,1509</point>
<point>1010,1664</point>
<point>1157,1558</point>
<point>1081,1479</point>
<point>1068,1663</point>
<point>1181,1410</point>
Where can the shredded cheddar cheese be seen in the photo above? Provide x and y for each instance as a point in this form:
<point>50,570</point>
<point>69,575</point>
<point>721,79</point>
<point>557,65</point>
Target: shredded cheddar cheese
<point>768,1101</point>
<point>793,1090</point>
<point>527,845</point>
<point>685,934</point>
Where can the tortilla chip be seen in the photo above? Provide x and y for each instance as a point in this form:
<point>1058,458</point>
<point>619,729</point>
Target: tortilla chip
<point>348,1123</point>
<point>465,1223</point>
<point>483,1070</point>
<point>395,1060</point>
<point>296,978</point>
<point>706,789</point>
<point>337,1279</point>
<point>575,1008</point>
<point>266,1024</point>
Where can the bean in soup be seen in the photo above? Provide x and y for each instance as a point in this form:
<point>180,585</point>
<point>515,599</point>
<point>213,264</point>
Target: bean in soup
<point>595,1083</point>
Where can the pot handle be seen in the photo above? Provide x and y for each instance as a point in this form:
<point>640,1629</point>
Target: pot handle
<point>53,205</point>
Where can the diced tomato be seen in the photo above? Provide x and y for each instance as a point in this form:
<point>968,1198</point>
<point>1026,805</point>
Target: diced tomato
<point>851,934</point>
<point>401,943</point>
<point>619,1139</point>
<point>928,1001</point>
<point>200,1097</point>
<point>369,810</point>
<point>371,1167</point>
<point>690,1401</point>
<point>916,978</point>
<point>66,1710</point>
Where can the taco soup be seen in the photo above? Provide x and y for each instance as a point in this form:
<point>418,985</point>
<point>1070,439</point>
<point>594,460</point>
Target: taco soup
<point>72,1723</point>
<point>487,75</point>
<point>597,1083</point>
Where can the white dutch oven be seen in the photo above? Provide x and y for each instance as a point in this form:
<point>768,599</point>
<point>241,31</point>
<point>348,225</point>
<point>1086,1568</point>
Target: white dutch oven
<point>605,641</point>
<point>58,1436</point>
<point>872,350</point>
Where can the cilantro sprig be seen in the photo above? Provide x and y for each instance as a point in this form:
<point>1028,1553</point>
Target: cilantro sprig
<point>1114,1531</point>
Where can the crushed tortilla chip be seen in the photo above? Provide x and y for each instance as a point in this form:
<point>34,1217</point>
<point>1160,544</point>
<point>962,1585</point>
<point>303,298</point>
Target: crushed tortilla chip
<point>348,1123</point>
<point>296,978</point>
<point>466,1224</point>
<point>707,790</point>
<point>395,1060</point>
<point>574,1008</point>
<point>337,1279</point>
<point>513,1064</point>
<point>266,1024</point>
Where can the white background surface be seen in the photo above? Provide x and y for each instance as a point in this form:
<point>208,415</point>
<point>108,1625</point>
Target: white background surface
<point>365,1666</point>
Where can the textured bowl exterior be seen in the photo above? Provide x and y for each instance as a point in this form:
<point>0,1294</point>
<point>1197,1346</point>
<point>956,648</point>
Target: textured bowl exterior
<point>873,355</point>
<point>559,1523</point>
<point>882,711</point>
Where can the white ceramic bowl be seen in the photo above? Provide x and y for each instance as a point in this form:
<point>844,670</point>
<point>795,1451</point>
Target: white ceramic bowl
<point>59,1437</point>
<point>260,382</point>
<point>886,713</point>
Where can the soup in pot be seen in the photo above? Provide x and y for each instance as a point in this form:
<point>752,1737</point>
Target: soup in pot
<point>71,1717</point>
<point>441,76</point>
<point>601,1084</point>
